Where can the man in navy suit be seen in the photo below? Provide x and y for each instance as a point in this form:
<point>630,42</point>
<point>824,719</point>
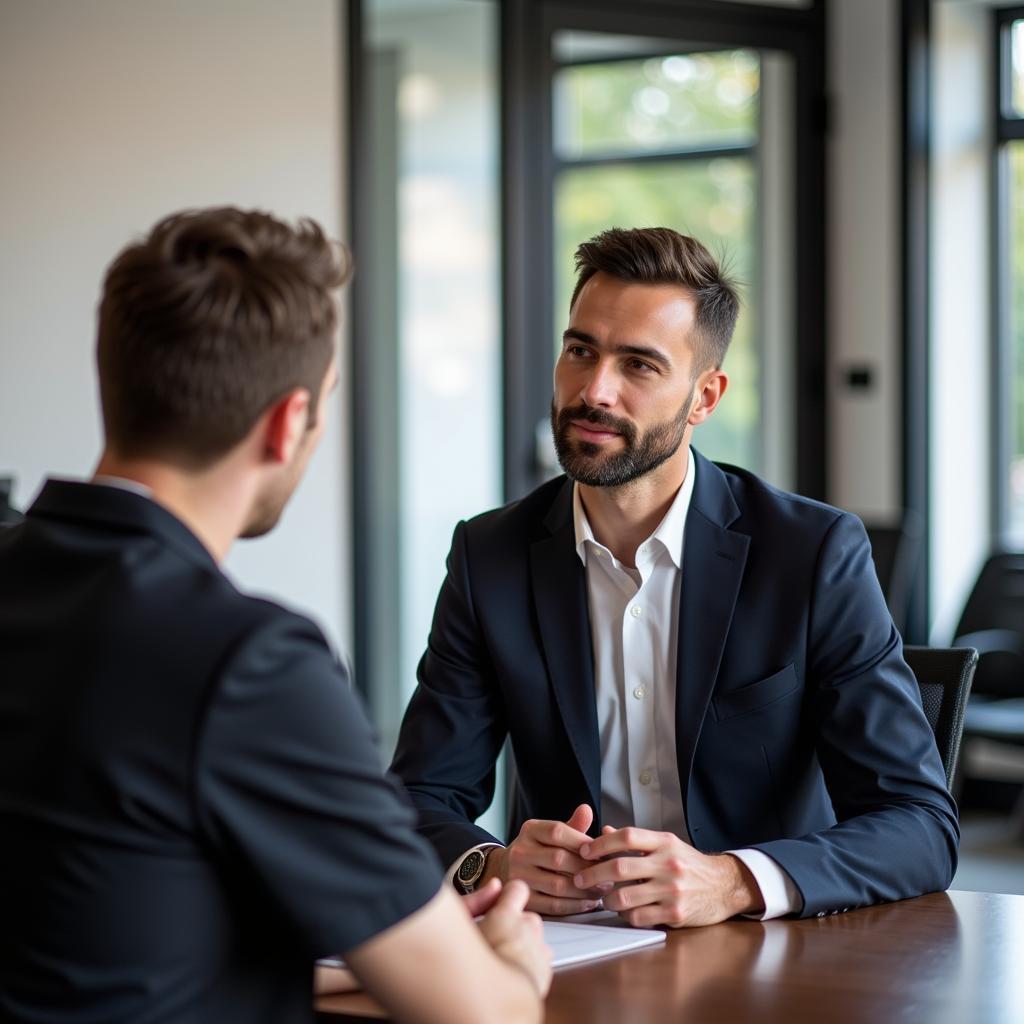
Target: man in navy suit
<point>705,694</point>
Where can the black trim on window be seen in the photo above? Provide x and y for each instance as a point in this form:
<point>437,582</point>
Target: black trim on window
<point>915,30</point>
<point>359,370</point>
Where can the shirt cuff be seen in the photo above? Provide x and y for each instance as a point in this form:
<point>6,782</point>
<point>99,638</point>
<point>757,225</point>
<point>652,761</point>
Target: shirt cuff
<point>450,876</point>
<point>778,890</point>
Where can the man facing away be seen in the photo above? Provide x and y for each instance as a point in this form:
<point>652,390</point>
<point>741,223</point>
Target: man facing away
<point>190,797</point>
<point>705,694</point>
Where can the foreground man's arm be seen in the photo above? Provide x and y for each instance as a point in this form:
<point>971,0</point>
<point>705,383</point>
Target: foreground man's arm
<point>437,967</point>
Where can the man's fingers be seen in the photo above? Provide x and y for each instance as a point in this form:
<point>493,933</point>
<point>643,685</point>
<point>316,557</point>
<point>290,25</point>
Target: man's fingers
<point>479,902</point>
<point>615,871</point>
<point>555,907</point>
<point>554,858</point>
<point>582,818</point>
<point>650,916</point>
<point>623,840</point>
<point>558,833</point>
<point>632,897</point>
<point>513,899</point>
<point>550,883</point>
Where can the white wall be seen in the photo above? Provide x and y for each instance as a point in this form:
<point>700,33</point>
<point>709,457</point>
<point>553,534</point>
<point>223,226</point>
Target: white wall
<point>865,210</point>
<point>112,114</point>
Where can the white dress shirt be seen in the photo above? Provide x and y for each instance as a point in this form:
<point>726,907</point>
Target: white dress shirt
<point>634,628</point>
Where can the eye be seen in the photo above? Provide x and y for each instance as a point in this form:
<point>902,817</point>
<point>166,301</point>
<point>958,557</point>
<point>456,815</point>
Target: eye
<point>639,366</point>
<point>577,351</point>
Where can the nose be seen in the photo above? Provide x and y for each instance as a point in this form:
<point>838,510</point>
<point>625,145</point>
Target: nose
<point>600,389</point>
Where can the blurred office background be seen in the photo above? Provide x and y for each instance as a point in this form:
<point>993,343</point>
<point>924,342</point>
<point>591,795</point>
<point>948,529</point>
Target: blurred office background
<point>858,163</point>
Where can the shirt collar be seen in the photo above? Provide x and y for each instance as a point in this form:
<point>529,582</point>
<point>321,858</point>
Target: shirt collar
<point>124,483</point>
<point>669,531</point>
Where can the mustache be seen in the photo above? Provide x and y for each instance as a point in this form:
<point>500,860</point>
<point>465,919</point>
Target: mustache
<point>598,417</point>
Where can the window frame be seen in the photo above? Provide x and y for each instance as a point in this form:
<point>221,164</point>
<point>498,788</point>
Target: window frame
<point>529,167</point>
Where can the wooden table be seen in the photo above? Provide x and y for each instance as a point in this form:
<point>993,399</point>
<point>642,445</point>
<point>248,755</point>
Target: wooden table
<point>947,958</point>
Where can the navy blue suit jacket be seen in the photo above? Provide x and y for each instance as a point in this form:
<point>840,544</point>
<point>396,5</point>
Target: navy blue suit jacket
<point>799,728</point>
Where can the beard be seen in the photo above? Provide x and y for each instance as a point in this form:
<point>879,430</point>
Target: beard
<point>584,461</point>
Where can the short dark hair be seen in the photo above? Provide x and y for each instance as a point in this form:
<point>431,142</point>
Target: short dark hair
<point>664,256</point>
<point>209,320</point>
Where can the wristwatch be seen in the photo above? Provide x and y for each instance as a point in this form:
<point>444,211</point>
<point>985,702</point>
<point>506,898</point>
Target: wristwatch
<point>470,871</point>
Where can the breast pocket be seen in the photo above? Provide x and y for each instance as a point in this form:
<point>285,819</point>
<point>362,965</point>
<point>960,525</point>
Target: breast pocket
<point>755,696</point>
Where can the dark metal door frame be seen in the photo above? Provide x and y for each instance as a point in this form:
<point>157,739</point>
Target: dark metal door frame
<point>528,174</point>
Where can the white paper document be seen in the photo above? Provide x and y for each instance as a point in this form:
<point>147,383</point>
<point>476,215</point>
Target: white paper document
<point>576,943</point>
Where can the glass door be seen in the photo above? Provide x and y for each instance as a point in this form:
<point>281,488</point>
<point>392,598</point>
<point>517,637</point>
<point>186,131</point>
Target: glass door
<point>708,122</point>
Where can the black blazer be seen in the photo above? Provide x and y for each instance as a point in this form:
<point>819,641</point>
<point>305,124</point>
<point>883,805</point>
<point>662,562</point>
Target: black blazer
<point>191,803</point>
<point>799,728</point>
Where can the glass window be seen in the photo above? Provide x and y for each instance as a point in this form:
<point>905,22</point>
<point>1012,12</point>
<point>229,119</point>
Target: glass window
<point>433,332</point>
<point>671,102</point>
<point>1009,234</point>
<point>670,138</point>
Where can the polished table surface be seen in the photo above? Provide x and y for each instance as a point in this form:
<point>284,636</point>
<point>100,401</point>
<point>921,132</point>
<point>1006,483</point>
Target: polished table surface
<point>947,958</point>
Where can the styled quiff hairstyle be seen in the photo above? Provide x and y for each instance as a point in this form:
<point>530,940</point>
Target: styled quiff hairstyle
<point>664,256</point>
<point>208,321</point>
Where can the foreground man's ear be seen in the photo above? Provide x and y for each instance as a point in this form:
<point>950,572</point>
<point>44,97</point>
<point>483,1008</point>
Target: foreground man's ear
<point>284,424</point>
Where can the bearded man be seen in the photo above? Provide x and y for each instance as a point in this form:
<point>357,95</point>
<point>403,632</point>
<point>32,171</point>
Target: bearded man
<point>705,694</point>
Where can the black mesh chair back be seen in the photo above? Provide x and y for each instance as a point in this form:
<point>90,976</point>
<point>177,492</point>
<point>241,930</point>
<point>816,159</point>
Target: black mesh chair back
<point>944,676</point>
<point>993,622</point>
<point>997,600</point>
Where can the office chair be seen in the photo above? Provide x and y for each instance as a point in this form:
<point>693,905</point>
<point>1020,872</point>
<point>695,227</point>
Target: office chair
<point>944,677</point>
<point>993,622</point>
<point>896,550</point>
<point>8,515</point>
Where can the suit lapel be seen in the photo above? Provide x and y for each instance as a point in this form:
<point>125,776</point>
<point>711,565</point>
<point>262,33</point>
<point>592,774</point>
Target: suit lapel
<point>713,563</point>
<point>560,597</point>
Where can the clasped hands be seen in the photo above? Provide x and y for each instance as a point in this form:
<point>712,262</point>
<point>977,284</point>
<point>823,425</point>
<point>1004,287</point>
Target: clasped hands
<point>649,878</point>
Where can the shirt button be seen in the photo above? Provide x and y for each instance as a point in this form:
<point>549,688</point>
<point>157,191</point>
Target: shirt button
<point>640,692</point>
<point>645,778</point>
<point>636,611</point>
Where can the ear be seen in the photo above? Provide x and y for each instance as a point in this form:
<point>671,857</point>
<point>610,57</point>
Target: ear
<point>285,425</point>
<point>711,386</point>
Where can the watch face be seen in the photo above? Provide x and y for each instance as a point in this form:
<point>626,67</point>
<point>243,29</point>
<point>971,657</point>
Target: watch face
<point>471,866</point>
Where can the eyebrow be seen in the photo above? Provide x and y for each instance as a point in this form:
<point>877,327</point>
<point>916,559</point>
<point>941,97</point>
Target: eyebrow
<point>644,351</point>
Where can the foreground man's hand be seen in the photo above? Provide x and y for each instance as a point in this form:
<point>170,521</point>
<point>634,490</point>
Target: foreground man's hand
<point>437,967</point>
<point>545,855</point>
<point>516,935</point>
<point>653,878</point>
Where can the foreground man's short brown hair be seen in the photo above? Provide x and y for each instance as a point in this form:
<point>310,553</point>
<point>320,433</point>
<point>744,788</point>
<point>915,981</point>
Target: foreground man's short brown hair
<point>208,321</point>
